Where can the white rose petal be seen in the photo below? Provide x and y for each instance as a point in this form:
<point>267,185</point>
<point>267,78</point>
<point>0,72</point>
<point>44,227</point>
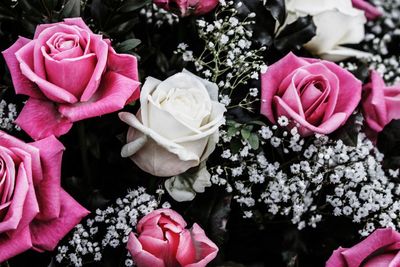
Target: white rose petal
<point>184,187</point>
<point>338,23</point>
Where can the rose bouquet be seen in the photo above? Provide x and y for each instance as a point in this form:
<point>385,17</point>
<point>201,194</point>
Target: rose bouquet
<point>199,133</point>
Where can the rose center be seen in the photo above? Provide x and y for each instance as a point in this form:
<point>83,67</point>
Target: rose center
<point>190,106</point>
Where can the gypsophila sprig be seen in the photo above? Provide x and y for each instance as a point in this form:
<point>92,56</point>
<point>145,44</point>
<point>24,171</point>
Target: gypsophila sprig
<point>319,176</point>
<point>228,58</point>
<point>153,14</point>
<point>8,114</point>
<point>109,228</point>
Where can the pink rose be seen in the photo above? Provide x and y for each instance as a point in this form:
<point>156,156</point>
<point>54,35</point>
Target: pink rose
<point>371,12</point>
<point>381,104</point>
<point>163,241</point>
<point>70,74</point>
<point>35,212</point>
<point>319,95</point>
<point>380,249</point>
<point>187,7</point>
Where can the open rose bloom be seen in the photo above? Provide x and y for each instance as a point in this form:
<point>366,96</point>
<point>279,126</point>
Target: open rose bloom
<point>163,241</point>
<point>380,249</point>
<point>35,212</point>
<point>177,125</point>
<point>318,95</point>
<point>70,74</point>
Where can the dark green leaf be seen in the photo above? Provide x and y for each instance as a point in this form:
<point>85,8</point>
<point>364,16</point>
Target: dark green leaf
<point>348,133</point>
<point>246,132</point>
<point>127,45</point>
<point>389,139</point>
<point>277,9</point>
<point>71,9</point>
<point>50,4</point>
<point>296,34</point>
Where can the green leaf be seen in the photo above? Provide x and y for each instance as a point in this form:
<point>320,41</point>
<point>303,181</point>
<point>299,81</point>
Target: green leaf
<point>50,4</point>
<point>132,5</point>
<point>71,9</point>
<point>232,131</point>
<point>128,45</point>
<point>246,132</point>
<point>254,141</point>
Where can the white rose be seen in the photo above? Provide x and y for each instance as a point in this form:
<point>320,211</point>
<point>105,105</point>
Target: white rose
<point>176,127</point>
<point>337,22</point>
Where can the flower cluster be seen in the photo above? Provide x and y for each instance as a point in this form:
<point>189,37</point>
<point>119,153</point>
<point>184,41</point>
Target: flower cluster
<point>158,16</point>
<point>8,114</point>
<point>110,227</point>
<point>229,58</point>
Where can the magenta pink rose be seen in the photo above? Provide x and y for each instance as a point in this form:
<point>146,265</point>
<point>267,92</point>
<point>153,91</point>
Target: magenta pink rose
<point>381,104</point>
<point>187,7</point>
<point>163,241</point>
<point>70,74</point>
<point>35,212</point>
<point>371,12</point>
<point>380,249</point>
<point>318,95</point>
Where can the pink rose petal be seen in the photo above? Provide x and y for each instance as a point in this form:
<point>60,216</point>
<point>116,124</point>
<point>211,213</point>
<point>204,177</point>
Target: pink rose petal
<point>41,119</point>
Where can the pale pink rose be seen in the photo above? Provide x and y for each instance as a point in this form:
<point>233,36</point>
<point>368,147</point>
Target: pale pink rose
<point>381,103</point>
<point>187,7</point>
<point>371,12</point>
<point>163,241</point>
<point>70,74</point>
<point>318,95</point>
<point>380,249</point>
<point>35,212</point>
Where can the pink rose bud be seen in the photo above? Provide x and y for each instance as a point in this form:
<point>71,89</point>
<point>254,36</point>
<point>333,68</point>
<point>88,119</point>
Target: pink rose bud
<point>163,241</point>
<point>70,74</point>
<point>381,103</point>
<point>318,95</point>
<point>371,12</point>
<point>187,7</point>
<point>381,248</point>
<point>35,212</point>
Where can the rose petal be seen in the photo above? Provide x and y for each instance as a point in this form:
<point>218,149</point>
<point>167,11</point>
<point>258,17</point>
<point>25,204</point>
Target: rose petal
<point>48,190</point>
<point>62,72</point>
<point>10,247</point>
<point>22,84</point>
<point>40,119</point>
<point>195,248</point>
<point>115,89</point>
<point>337,259</point>
<point>100,49</point>
<point>346,29</point>
<point>78,21</point>
<point>378,239</point>
<point>141,257</point>
<point>173,215</point>
<point>371,12</point>
<point>47,234</point>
